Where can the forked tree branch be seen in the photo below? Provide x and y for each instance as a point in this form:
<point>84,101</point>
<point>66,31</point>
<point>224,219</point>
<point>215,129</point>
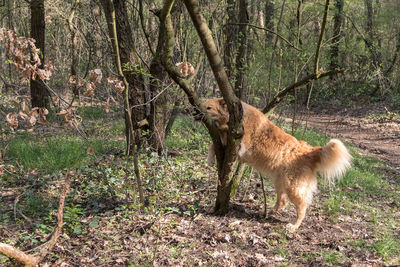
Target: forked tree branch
<point>166,25</point>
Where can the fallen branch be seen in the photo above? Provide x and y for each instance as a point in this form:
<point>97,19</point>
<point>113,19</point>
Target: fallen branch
<point>30,260</point>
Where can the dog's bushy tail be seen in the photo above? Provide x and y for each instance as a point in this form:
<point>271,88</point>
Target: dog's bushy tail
<point>335,160</point>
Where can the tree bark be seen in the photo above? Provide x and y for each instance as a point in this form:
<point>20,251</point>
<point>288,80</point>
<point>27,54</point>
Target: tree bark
<point>131,68</point>
<point>230,37</point>
<point>74,44</point>
<point>337,34</point>
<point>242,51</point>
<point>39,94</point>
<point>128,115</point>
<point>227,161</point>
<point>374,48</point>
<point>158,109</point>
<point>269,23</point>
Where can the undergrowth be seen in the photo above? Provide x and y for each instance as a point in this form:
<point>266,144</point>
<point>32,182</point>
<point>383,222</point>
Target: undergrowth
<point>104,190</point>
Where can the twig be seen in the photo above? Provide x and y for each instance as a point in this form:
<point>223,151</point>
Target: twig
<point>268,30</point>
<point>264,195</point>
<point>156,96</point>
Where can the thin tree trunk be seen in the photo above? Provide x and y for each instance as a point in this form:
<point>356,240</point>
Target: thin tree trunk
<point>131,69</point>
<point>242,51</point>
<point>230,37</point>
<point>226,163</point>
<point>337,34</point>
<point>39,94</point>
<point>374,48</point>
<point>74,44</point>
<point>127,108</point>
<point>269,23</point>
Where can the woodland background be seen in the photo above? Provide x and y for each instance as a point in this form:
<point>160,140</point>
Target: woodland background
<point>141,192</point>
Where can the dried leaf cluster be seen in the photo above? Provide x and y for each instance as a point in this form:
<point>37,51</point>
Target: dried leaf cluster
<point>29,116</point>
<point>116,84</point>
<point>185,68</point>
<point>70,118</point>
<point>25,56</point>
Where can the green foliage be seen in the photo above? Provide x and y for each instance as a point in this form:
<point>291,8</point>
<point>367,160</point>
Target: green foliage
<point>72,218</point>
<point>91,112</point>
<point>188,135</point>
<point>387,247</point>
<point>52,153</point>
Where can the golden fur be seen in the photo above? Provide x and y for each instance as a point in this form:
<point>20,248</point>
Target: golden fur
<point>291,164</point>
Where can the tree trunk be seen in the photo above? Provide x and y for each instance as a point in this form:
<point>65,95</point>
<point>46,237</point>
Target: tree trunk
<point>242,51</point>
<point>269,23</point>
<point>158,110</point>
<point>39,94</point>
<point>227,157</point>
<point>230,38</point>
<point>131,68</point>
<point>337,35</point>
<point>74,45</point>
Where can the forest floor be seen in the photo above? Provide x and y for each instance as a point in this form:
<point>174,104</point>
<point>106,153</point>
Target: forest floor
<point>372,128</point>
<point>355,223</point>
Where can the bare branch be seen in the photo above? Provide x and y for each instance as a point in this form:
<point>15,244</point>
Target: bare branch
<point>271,31</point>
<point>286,91</point>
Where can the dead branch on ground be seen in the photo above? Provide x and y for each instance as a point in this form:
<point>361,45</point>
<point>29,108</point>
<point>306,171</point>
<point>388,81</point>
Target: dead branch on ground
<point>33,260</point>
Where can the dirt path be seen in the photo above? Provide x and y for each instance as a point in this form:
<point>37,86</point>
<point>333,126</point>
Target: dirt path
<point>371,128</point>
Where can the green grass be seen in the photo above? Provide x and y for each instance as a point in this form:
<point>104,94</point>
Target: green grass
<point>188,135</point>
<point>91,112</point>
<point>53,153</point>
<point>387,247</point>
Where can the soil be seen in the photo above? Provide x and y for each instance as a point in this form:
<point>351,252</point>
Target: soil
<point>372,128</point>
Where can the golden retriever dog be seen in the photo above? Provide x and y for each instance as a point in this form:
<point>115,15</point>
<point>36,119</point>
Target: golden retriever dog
<point>292,165</point>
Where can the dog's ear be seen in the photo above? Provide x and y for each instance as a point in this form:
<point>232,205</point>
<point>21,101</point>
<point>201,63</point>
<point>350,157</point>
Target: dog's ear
<point>222,103</point>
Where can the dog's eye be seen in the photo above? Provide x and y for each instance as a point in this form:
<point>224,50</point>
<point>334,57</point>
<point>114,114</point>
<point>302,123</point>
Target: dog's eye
<point>208,108</point>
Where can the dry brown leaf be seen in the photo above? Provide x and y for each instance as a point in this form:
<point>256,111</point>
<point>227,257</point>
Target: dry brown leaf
<point>11,168</point>
<point>24,107</point>
<point>185,68</point>
<point>1,170</point>
<point>89,89</point>
<point>95,76</point>
<point>62,112</point>
<point>116,84</point>
<point>55,100</point>
<point>12,121</point>
<point>90,150</point>
<point>79,84</point>
<point>22,115</point>
<point>72,79</point>
<point>31,121</point>
<point>107,106</point>
<point>15,101</point>
<point>42,115</point>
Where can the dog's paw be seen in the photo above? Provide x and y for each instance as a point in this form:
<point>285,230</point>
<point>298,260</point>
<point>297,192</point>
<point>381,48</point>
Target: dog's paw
<point>291,228</point>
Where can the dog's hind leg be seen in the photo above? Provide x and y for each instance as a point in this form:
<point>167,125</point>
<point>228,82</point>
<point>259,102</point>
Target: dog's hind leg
<point>299,199</point>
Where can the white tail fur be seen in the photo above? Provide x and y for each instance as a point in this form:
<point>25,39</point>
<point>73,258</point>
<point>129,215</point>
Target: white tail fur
<point>335,160</point>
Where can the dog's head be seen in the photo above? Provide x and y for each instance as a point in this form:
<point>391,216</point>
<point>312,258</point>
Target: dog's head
<point>217,110</point>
